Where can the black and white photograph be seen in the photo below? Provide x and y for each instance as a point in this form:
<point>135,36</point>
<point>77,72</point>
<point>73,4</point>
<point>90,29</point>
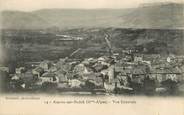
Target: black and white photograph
<point>97,47</point>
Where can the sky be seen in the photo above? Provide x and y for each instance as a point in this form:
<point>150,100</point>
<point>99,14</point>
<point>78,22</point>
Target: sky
<point>30,5</point>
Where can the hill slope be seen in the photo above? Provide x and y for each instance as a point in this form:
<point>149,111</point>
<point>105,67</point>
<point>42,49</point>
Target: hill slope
<point>156,16</point>
<point>151,16</point>
<point>22,20</point>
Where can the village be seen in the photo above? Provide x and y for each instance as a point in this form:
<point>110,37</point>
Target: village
<point>125,72</point>
<point>130,73</point>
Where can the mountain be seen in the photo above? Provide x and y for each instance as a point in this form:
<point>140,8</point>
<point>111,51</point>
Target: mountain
<point>63,18</point>
<point>167,15</point>
<point>22,20</point>
<point>78,18</point>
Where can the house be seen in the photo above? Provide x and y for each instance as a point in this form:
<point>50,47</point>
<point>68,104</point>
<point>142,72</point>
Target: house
<point>99,67</point>
<point>82,69</point>
<point>60,63</point>
<point>53,69</point>
<point>85,62</point>
<point>162,74</point>
<point>88,76</point>
<point>174,74</point>
<point>49,77</point>
<point>159,74</point>
<point>119,68</point>
<point>138,74</point>
<point>106,59</point>
<point>147,62</point>
<point>92,61</point>
<point>138,58</point>
<point>97,81</point>
<point>74,83</point>
<point>61,75</point>
<point>20,70</point>
<point>101,59</point>
<point>122,78</point>
<point>109,86</point>
<point>38,71</point>
<point>45,65</point>
<point>104,72</point>
<point>27,78</point>
<point>170,58</point>
<point>69,75</point>
<point>62,78</point>
<point>67,67</point>
<point>123,70</point>
<point>15,77</point>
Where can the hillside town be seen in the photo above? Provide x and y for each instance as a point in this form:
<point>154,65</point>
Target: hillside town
<point>130,73</point>
<point>125,72</point>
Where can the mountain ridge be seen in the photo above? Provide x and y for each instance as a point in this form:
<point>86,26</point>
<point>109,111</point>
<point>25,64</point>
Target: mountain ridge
<point>163,16</point>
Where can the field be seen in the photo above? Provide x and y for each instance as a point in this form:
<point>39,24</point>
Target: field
<point>20,46</point>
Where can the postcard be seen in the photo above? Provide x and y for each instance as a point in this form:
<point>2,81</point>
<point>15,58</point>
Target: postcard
<point>91,57</point>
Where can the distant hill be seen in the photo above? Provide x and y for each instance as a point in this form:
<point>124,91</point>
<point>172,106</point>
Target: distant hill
<point>22,20</point>
<point>168,15</point>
